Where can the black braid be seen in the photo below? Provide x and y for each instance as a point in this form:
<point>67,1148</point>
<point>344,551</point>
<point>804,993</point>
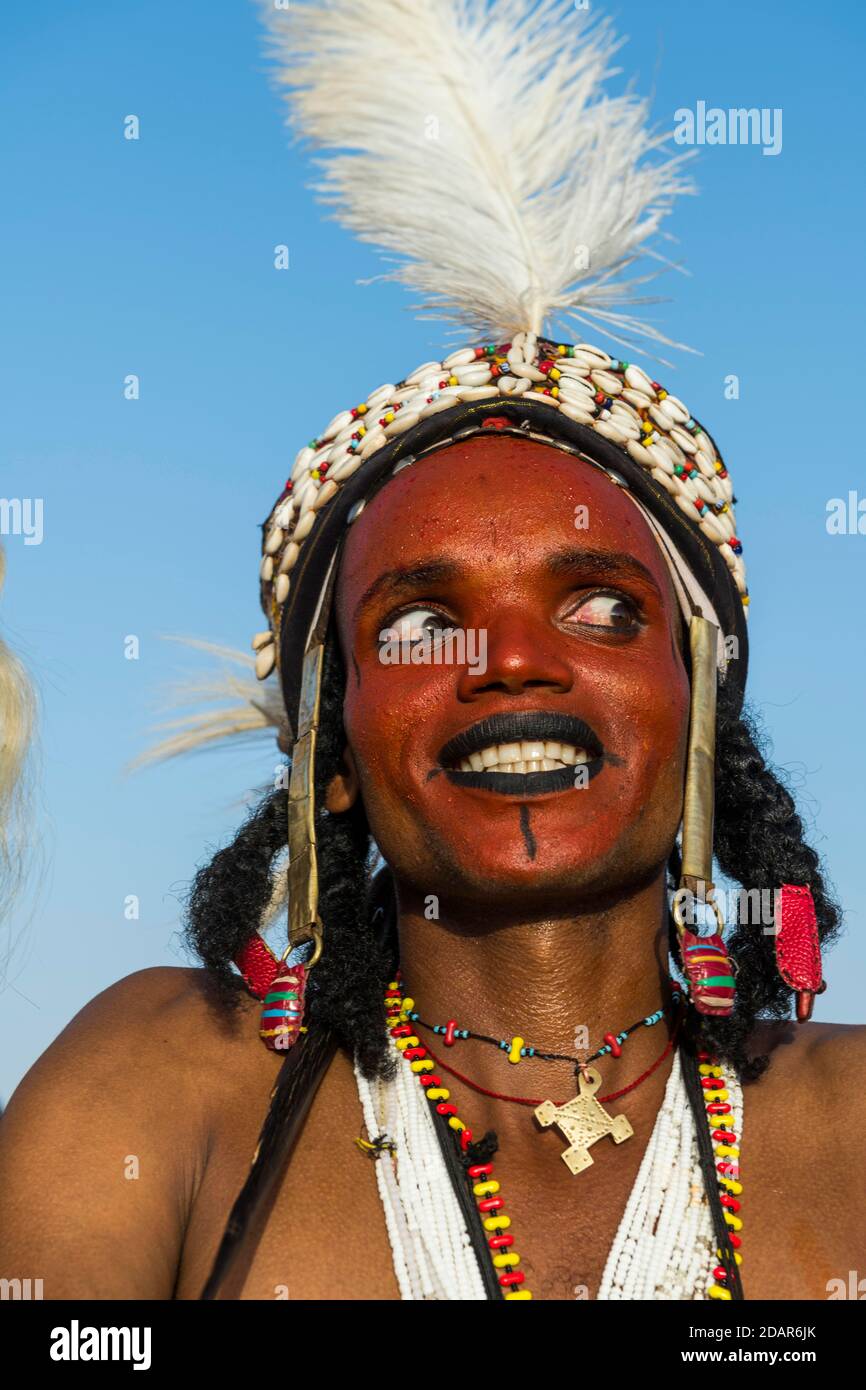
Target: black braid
<point>230,894</point>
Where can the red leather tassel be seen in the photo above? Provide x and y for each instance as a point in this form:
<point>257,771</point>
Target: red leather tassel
<point>798,949</point>
<point>258,966</point>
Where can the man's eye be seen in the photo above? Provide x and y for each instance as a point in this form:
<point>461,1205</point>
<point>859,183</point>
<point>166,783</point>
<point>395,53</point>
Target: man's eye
<point>415,625</point>
<point>604,610</point>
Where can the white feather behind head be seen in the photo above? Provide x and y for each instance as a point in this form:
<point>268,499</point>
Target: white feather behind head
<point>473,140</point>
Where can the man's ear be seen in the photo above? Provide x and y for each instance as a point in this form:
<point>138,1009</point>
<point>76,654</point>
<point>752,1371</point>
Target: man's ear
<point>344,786</point>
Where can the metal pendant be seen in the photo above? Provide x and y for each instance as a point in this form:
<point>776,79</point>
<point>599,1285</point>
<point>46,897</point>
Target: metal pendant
<point>583,1121</point>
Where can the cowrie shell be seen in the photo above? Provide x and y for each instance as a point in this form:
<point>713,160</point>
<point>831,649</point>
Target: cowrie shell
<point>328,490</point>
<point>595,355</point>
<point>262,639</point>
<point>685,441</point>
<point>686,505</point>
<point>661,416</point>
<point>304,496</point>
<point>711,528</point>
<point>472,376</point>
<point>701,489</point>
<point>515,358</point>
<point>531,373</point>
<point>274,541</point>
<point>637,398</point>
<point>380,396</point>
<point>402,422</point>
<point>427,369</point>
<point>606,382</point>
<point>674,406</point>
<point>303,459</point>
<point>290,557</point>
<point>461,358</point>
<point>372,441</point>
<point>281,588</point>
<point>304,526</point>
<point>639,381</point>
<point>345,469</point>
<point>663,478</point>
<point>338,423</point>
<point>574,412</point>
<point>641,455</point>
<point>611,431</point>
<point>478,393</point>
<point>265,662</point>
<point>266,568</point>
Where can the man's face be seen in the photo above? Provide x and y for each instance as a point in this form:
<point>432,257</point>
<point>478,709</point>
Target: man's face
<point>573,791</point>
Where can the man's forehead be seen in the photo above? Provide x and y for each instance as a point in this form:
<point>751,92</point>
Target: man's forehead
<point>497,501</point>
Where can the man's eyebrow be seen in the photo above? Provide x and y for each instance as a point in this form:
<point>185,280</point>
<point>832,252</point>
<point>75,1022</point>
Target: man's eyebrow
<point>406,579</point>
<point>610,564</point>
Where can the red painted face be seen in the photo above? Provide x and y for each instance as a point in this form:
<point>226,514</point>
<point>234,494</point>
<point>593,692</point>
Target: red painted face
<point>573,789</point>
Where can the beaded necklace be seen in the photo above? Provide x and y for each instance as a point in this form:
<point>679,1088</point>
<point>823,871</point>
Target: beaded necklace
<point>652,1222</point>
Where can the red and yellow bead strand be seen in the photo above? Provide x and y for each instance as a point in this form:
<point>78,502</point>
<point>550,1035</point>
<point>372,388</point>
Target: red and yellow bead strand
<point>485,1188</point>
<point>720,1120</point>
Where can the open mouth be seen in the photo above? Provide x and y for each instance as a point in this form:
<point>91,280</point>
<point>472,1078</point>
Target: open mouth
<point>526,753</point>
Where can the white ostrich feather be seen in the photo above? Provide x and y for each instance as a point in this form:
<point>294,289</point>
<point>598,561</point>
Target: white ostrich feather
<point>475,143</point>
<point>232,709</point>
<point>236,708</point>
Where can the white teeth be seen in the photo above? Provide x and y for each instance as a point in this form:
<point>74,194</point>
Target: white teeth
<point>524,758</point>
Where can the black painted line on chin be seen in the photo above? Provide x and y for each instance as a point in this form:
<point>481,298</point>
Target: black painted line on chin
<point>527,832</point>
<point>357,669</point>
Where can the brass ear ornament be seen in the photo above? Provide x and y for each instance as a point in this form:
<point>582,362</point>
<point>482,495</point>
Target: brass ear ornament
<point>707,966</point>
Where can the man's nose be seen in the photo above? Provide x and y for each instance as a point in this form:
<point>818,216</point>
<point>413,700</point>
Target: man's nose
<point>521,654</point>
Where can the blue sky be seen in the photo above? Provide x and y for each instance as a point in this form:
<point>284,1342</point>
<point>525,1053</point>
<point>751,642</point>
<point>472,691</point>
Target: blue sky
<point>155,257</point>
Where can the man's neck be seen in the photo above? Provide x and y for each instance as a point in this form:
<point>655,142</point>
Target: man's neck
<point>560,983</point>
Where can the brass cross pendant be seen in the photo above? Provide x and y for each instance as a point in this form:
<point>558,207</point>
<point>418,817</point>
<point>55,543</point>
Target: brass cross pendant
<point>583,1121</point>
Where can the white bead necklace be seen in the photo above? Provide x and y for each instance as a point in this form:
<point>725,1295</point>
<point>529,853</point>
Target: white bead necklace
<point>664,1247</point>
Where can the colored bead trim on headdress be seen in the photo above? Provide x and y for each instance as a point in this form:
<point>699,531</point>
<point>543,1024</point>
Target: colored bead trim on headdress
<point>616,399</point>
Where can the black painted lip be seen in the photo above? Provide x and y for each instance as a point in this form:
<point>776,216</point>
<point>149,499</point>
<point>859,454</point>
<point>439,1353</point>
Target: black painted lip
<point>538,725</point>
<point>560,779</point>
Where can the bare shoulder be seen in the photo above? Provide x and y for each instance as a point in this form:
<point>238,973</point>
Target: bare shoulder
<point>107,1136</point>
<point>815,1072</point>
<point>810,1049</point>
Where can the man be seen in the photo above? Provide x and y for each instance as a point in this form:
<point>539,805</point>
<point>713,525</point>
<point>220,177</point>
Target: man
<point>532,807</point>
<point>125,1145</point>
